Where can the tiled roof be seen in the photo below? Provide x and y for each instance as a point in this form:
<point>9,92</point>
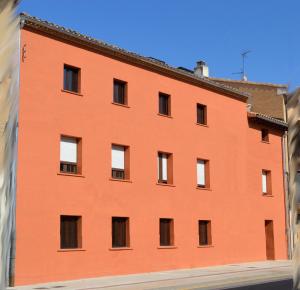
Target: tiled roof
<point>284,86</point>
<point>267,118</point>
<point>267,99</point>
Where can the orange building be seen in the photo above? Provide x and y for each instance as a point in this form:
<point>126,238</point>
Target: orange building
<point>128,165</point>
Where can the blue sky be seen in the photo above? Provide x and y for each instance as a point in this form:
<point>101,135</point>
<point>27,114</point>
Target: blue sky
<point>181,32</point>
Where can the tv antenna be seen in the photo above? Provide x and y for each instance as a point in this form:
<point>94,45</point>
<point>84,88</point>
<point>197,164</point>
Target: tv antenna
<point>243,72</point>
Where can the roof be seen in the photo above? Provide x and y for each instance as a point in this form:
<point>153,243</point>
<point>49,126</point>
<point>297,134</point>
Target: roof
<point>249,82</point>
<point>262,118</point>
<point>76,38</point>
<point>265,98</point>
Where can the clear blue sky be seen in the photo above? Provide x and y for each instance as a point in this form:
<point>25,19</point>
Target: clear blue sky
<point>181,32</point>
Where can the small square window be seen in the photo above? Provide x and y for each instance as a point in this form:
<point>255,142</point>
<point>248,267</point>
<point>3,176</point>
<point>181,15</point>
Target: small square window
<point>70,232</point>
<point>120,92</point>
<point>166,232</point>
<point>201,114</point>
<point>71,78</point>
<point>204,232</point>
<point>120,232</point>
<point>265,135</point>
<point>70,155</point>
<point>164,104</point>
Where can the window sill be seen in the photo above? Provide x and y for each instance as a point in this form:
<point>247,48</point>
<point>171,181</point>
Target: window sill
<point>265,142</point>
<point>70,174</point>
<point>167,247</point>
<point>165,184</point>
<point>121,105</point>
<point>202,125</point>
<point>121,249</point>
<point>205,246</point>
<point>203,188</point>
<point>71,92</point>
<point>267,195</point>
<point>72,250</point>
<point>167,116</point>
<point>121,180</point>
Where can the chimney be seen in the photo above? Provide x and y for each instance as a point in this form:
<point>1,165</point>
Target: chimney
<point>201,69</point>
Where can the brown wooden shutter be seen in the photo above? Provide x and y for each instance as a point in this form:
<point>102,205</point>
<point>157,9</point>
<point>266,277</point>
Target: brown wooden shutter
<point>75,75</point>
<point>119,92</point>
<point>164,104</point>
<point>71,79</point>
<point>119,232</point>
<point>69,232</point>
<point>201,114</point>
<point>203,233</point>
<point>165,232</point>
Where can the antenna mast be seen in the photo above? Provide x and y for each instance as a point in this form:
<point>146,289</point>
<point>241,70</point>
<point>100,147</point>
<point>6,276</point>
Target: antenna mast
<point>244,55</point>
<point>243,71</point>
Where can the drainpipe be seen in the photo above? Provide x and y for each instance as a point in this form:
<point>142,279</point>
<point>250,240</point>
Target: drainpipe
<point>285,154</point>
<point>286,196</point>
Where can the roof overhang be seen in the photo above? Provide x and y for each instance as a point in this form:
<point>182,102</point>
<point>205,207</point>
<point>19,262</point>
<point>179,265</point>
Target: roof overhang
<point>267,120</point>
<point>282,86</point>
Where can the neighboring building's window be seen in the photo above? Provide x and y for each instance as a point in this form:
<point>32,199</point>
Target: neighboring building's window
<point>120,232</point>
<point>120,92</point>
<point>120,162</point>
<point>203,173</point>
<point>164,104</point>
<point>166,232</point>
<point>204,233</point>
<point>70,155</point>
<point>71,78</point>
<point>265,135</point>
<point>298,217</point>
<point>266,182</point>
<point>164,161</point>
<point>201,114</point>
<point>70,232</point>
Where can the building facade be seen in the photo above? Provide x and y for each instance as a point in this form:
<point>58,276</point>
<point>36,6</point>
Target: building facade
<point>127,165</point>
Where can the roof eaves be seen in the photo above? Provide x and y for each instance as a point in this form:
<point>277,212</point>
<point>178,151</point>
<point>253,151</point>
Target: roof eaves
<point>249,82</point>
<point>112,50</point>
<point>268,119</point>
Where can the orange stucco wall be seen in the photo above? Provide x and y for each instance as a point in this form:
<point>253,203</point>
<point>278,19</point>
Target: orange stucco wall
<point>234,204</point>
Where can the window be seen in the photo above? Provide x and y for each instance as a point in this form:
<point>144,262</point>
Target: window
<point>70,155</point>
<point>203,173</point>
<point>164,104</point>
<point>201,114</point>
<point>204,232</point>
<point>71,78</point>
<point>70,232</point>
<point>265,135</point>
<point>166,232</point>
<point>266,182</point>
<point>120,92</point>
<point>120,232</point>
<point>120,161</point>
<point>165,174</point>
<point>298,217</point>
